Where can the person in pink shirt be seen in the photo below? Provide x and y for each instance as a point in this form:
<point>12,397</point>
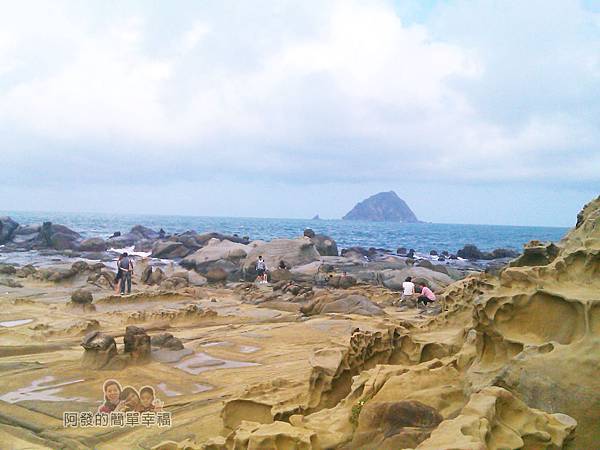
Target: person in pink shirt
<point>427,295</point>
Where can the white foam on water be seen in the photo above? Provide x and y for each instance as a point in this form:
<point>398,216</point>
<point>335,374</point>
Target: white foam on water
<point>15,323</point>
<point>130,251</point>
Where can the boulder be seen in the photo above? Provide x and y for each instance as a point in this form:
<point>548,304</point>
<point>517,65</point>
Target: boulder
<point>295,252</point>
<point>63,241</point>
<point>470,251</point>
<point>9,282</point>
<point>325,245</point>
<point>169,250</point>
<point>401,251</point>
<point>425,263</point>
<point>205,237</point>
<point>146,274</point>
<point>144,232</point>
<point>341,281</point>
<point>393,279</point>
<point>504,253</point>
<point>137,344</point>
<point>166,340</point>
<point>7,229</point>
<point>82,297</point>
<point>157,276</point>
<point>174,282</point>
<point>433,253</point>
<point>93,245</point>
<point>216,275</point>
<point>103,279</point>
<point>7,269</point>
<point>79,267</point>
<point>305,272</point>
<point>309,233</point>
<point>26,236</point>
<point>195,279</point>
<point>359,253</point>
<point>280,275</point>
<point>121,240</point>
<point>99,350</point>
<point>204,259</point>
<point>58,237</point>
<point>349,304</point>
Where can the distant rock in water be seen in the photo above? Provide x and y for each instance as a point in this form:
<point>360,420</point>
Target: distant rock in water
<point>316,217</point>
<point>382,207</point>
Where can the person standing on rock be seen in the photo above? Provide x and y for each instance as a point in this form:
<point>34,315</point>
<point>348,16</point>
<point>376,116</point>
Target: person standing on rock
<point>261,270</point>
<point>119,275</point>
<point>126,266</point>
<point>427,295</point>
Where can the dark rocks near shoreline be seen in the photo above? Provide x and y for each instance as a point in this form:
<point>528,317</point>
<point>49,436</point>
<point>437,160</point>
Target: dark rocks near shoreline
<point>471,252</point>
<point>7,229</point>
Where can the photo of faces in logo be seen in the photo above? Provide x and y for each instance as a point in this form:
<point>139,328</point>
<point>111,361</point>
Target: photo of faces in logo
<point>124,399</point>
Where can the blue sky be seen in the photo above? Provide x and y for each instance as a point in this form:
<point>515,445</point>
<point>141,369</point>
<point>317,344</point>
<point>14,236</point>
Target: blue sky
<point>473,112</point>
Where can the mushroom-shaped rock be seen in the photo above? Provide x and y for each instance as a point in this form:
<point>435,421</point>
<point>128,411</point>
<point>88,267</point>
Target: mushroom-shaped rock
<point>137,344</point>
<point>99,350</point>
<point>82,297</point>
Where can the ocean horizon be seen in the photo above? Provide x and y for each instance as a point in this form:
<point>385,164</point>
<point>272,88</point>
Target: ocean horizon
<point>422,237</point>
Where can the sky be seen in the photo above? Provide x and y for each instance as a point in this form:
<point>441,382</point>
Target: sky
<point>471,111</point>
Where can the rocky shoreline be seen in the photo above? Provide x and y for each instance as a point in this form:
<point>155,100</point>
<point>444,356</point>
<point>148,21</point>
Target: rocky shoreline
<point>321,357</point>
<point>203,252</point>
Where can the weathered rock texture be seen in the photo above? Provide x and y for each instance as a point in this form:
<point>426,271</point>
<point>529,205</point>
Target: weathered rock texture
<point>511,362</point>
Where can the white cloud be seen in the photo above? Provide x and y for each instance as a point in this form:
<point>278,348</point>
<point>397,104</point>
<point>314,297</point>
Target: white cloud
<point>353,93</point>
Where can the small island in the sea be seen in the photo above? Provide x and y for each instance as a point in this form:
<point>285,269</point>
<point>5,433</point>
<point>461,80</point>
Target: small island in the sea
<point>382,207</point>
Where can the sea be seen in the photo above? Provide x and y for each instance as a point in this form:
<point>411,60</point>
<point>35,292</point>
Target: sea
<point>422,237</point>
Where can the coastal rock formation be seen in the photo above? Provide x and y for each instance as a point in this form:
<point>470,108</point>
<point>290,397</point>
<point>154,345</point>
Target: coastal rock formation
<point>511,362</point>
<point>99,350</point>
<point>470,251</point>
<point>436,281</point>
<point>382,207</point>
<point>506,358</point>
<point>295,252</point>
<point>82,297</point>
<point>536,253</point>
<point>325,245</point>
<point>93,245</point>
<point>7,229</point>
<point>344,304</point>
<point>166,340</point>
<point>495,418</point>
<point>169,250</point>
<point>7,269</point>
<point>204,259</point>
<point>137,344</point>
